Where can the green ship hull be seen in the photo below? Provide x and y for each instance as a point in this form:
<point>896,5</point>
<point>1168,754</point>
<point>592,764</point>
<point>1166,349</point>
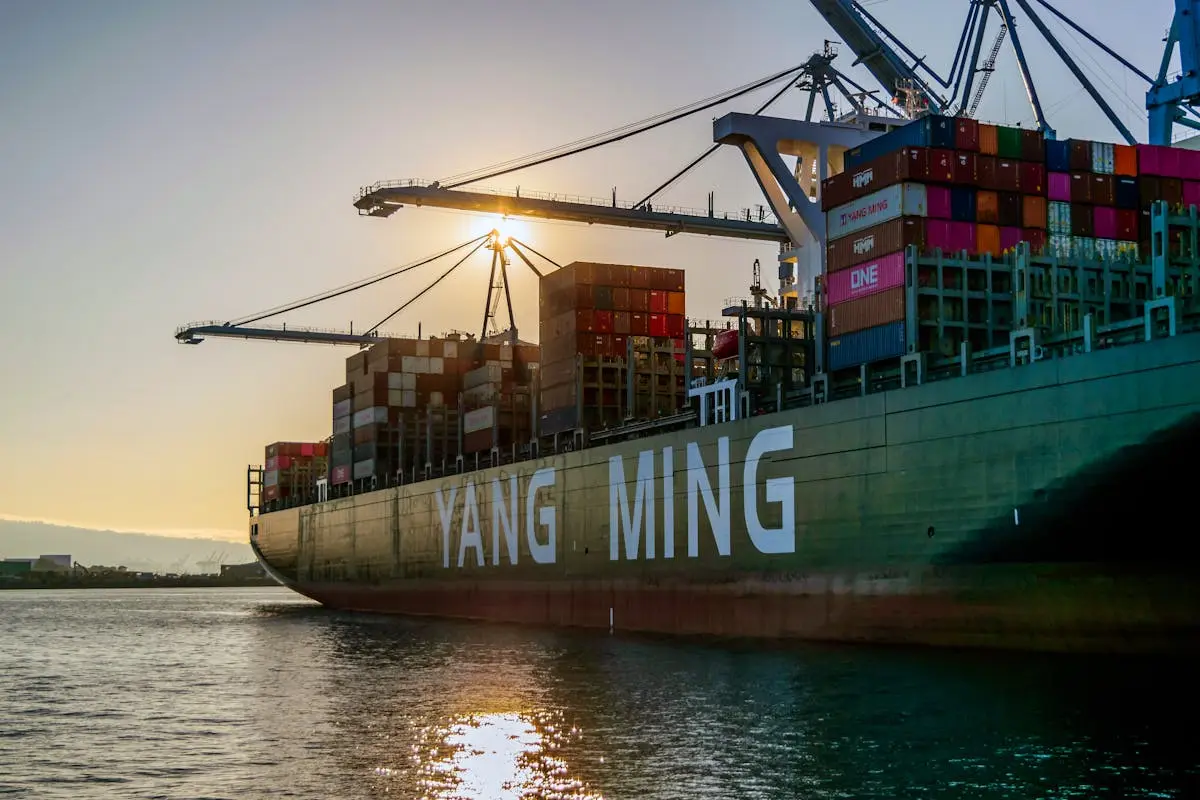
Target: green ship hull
<point>1038,507</point>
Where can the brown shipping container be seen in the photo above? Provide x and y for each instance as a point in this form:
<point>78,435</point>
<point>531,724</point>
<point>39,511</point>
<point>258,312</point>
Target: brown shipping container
<point>1033,177</point>
<point>987,206</point>
<point>639,278</point>
<point>1081,189</point>
<point>867,312</point>
<point>987,239</point>
<point>342,393</point>
<point>965,166</point>
<point>878,240</point>
<point>356,365</point>
<point>621,322</point>
<point>1033,211</point>
<point>639,300</point>
<point>1104,190</point>
<point>989,139</point>
<point>1080,155</point>
<point>1010,209</point>
<point>1033,146</point>
<point>985,171</point>
<point>620,298</point>
<point>1008,175</point>
<point>1082,220</point>
<point>583,296</point>
<point>1152,188</point>
<point>906,164</point>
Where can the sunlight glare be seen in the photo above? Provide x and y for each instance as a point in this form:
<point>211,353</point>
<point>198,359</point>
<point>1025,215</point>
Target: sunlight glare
<point>508,227</point>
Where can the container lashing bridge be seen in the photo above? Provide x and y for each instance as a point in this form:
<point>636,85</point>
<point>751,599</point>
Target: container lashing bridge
<point>791,216</point>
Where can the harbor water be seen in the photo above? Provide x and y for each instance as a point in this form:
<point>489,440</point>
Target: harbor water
<point>257,693</point>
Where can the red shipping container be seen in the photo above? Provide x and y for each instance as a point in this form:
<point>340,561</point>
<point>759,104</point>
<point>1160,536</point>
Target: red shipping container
<point>620,346</point>
<point>1037,240</point>
<point>1191,193</point>
<point>1033,211</point>
<point>874,242</point>
<point>965,165</point>
<point>307,449</point>
<point>585,320</point>
<point>1104,222</point>
<point>658,302</point>
<point>340,474</point>
<point>680,350</point>
<point>1079,156</point>
<point>639,324</point>
<point>658,325</point>
<point>675,325</point>
<point>1008,175</point>
<point>937,202</point>
<point>1033,177</point>
<point>1081,188</point>
<point>941,166</point>
<point>950,237</point>
<point>602,321</point>
<point>678,281</point>
<point>966,134</point>
<point>1127,225</point>
<point>861,280</point>
<point>621,299</point>
<point>1059,187</point>
<point>639,299</point>
<point>985,171</point>
<point>987,239</point>
<point>866,312</point>
<point>1010,237</point>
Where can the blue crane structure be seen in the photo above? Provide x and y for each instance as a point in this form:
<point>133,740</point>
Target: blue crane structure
<point>791,217</point>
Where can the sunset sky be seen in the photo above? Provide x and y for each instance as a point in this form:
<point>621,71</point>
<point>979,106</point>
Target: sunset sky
<point>165,162</point>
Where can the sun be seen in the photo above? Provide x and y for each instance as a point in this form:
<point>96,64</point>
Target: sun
<point>508,227</point>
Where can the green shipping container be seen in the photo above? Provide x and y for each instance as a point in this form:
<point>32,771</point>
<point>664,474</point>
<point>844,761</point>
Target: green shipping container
<point>1008,142</point>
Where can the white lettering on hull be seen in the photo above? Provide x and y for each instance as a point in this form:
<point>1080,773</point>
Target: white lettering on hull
<point>505,518</point>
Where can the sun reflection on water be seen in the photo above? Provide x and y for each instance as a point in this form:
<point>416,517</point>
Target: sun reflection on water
<point>502,755</point>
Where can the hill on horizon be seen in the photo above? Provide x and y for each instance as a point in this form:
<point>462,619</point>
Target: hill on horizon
<point>142,552</point>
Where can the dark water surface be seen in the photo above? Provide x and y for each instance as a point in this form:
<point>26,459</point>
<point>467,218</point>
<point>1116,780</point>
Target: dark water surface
<point>232,693</point>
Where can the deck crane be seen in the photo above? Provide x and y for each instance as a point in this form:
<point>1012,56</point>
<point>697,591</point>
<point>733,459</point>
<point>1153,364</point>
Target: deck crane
<point>247,327</point>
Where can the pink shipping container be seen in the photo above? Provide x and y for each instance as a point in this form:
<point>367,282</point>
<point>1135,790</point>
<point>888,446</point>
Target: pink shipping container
<point>1166,162</point>
<point>1104,222</point>
<point>340,474</point>
<point>951,237</point>
<point>1191,193</point>
<point>1010,237</point>
<point>1058,187</point>
<point>937,201</point>
<point>865,279</point>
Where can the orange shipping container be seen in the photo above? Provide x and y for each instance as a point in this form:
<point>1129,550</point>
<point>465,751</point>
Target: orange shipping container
<point>1125,160</point>
<point>987,207</point>
<point>989,142</point>
<point>1033,211</point>
<point>867,312</point>
<point>675,304</point>
<point>987,239</point>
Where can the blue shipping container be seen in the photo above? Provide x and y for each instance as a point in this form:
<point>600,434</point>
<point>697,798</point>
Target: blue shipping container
<point>962,204</point>
<point>863,347</point>
<point>931,131</point>
<point>1058,155</point>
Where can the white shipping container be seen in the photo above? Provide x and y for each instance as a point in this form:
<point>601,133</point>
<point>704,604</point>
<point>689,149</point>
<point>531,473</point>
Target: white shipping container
<point>488,373</point>
<point>449,349</point>
<point>436,365</point>
<point>901,199</point>
<point>479,419</point>
<point>1059,245</point>
<point>481,395</point>
<point>436,399</point>
<point>370,416</point>
<point>396,380</point>
<point>423,348</point>
<point>364,469</point>
<point>1106,249</point>
<point>1059,217</point>
<point>402,398</point>
<point>271,477</point>
<point>341,425</point>
<point>341,409</point>
<point>1127,251</point>
<point>1102,158</point>
<point>1083,248</point>
<point>418,365</point>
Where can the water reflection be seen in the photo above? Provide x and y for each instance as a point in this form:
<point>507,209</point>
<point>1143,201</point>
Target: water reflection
<point>498,756</point>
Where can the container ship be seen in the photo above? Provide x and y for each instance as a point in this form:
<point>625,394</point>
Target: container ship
<point>980,433</point>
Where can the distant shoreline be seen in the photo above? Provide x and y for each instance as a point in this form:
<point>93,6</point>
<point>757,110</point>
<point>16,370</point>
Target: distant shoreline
<point>181,582</point>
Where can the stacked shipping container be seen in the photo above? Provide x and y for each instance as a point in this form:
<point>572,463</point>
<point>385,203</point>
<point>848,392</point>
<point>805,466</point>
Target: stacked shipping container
<point>959,186</point>
<point>496,400</point>
<point>596,313</point>
<point>291,469</point>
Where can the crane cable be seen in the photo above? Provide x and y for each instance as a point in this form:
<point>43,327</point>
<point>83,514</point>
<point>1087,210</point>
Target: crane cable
<point>436,281</point>
<point>641,128</point>
<point>350,287</point>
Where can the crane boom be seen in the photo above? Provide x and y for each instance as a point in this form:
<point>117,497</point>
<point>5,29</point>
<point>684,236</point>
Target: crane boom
<point>195,333</point>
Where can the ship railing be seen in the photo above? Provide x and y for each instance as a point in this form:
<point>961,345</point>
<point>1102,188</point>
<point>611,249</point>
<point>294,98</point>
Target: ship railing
<point>758,214</point>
